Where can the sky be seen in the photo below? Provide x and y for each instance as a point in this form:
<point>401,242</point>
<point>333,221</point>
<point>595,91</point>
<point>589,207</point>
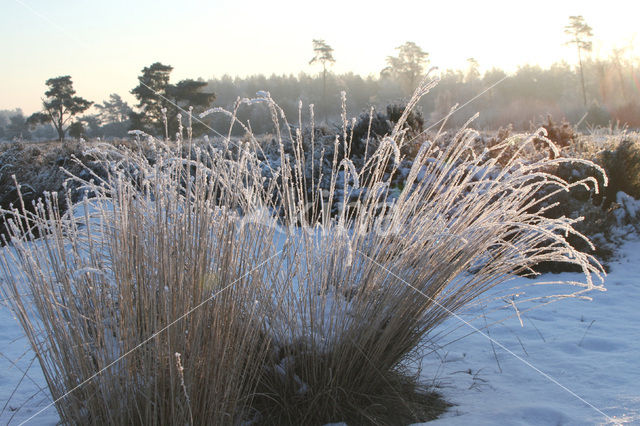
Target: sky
<point>104,45</point>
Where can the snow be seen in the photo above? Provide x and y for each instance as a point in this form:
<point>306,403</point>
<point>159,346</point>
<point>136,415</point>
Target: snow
<point>630,207</point>
<point>31,394</point>
<point>591,348</point>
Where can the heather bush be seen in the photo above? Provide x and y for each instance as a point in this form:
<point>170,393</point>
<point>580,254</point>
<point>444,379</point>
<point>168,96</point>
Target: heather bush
<point>370,128</point>
<point>602,211</point>
<point>413,122</point>
<point>37,168</point>
<point>622,164</point>
<point>505,144</point>
<point>367,130</point>
<point>579,202</point>
<point>562,134</point>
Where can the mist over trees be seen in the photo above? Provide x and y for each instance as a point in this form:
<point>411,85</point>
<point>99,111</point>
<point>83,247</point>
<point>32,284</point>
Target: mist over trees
<point>13,125</point>
<point>523,98</point>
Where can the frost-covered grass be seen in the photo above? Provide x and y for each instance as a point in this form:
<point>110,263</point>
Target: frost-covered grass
<point>112,284</point>
<point>207,284</point>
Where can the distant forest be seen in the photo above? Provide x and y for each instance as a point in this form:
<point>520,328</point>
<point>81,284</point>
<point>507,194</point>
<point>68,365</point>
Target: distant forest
<point>523,99</point>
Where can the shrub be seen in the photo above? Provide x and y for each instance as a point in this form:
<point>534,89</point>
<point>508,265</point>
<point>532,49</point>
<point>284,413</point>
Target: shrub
<point>277,318</point>
<point>77,130</point>
<point>601,210</point>
<point>36,168</point>
<point>597,222</point>
<point>562,134</point>
<point>370,128</point>
<point>367,130</point>
<point>505,143</point>
<point>414,122</point>
<point>622,164</point>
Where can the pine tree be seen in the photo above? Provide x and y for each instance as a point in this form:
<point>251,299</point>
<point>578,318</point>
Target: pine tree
<point>579,33</point>
<point>324,55</point>
<point>60,105</point>
<point>408,66</point>
<point>155,93</point>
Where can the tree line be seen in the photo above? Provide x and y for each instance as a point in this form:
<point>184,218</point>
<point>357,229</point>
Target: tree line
<point>597,92</point>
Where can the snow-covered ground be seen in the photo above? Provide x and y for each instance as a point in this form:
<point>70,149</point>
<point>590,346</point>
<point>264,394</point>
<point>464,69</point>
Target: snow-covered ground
<point>591,349</point>
<point>21,395</point>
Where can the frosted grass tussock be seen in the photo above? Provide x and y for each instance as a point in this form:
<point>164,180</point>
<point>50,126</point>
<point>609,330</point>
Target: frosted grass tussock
<point>151,245</point>
<point>327,276</point>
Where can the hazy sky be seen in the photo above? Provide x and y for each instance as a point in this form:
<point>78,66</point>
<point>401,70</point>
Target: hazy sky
<point>103,45</point>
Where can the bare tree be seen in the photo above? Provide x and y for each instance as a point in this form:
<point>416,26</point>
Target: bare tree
<point>579,34</point>
<point>324,55</point>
